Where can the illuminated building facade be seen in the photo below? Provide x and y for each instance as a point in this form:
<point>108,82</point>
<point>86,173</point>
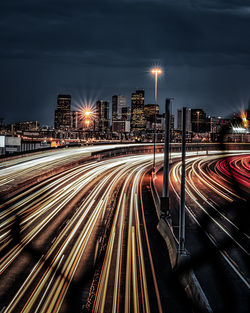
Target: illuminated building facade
<point>118,103</point>
<point>76,120</point>
<point>27,126</point>
<point>119,110</point>
<point>102,116</point>
<point>150,110</point>
<point>200,122</point>
<point>138,121</point>
<point>63,112</point>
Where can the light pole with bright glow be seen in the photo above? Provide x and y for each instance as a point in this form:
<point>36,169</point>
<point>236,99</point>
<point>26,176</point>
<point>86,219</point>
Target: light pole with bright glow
<point>155,71</point>
<point>87,115</point>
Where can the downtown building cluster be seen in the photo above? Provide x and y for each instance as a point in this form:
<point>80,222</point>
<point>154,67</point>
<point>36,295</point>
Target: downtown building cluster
<point>117,121</point>
<point>137,122</point>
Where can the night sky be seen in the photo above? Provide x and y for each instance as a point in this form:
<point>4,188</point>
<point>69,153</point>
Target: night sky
<point>94,49</point>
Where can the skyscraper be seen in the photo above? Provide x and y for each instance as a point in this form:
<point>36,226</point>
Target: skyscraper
<point>62,113</point>
<point>188,120</point>
<point>118,102</point>
<point>118,107</point>
<point>102,116</point>
<point>138,121</point>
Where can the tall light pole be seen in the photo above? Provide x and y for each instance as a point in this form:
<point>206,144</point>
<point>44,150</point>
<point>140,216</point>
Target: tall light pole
<point>155,71</point>
<point>165,191</point>
<point>183,177</point>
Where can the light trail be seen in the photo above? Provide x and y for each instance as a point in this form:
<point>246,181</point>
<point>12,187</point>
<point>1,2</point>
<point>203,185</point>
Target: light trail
<point>64,214</point>
<point>133,261</point>
<point>47,284</point>
<point>79,217</point>
<point>12,171</point>
<point>207,191</point>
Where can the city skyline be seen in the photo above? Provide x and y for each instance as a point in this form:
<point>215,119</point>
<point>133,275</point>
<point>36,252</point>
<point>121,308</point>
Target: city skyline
<point>78,106</point>
<point>99,48</point>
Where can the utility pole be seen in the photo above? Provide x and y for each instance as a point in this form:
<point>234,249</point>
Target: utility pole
<point>165,193</point>
<point>183,171</point>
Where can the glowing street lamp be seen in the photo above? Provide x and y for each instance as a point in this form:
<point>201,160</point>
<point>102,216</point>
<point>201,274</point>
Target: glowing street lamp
<point>155,71</point>
<point>87,113</point>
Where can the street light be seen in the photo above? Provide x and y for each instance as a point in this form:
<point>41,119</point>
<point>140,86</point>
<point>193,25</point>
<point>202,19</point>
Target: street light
<point>155,71</point>
<point>87,116</point>
<point>87,113</point>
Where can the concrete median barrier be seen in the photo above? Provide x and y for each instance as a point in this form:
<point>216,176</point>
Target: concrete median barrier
<point>181,264</point>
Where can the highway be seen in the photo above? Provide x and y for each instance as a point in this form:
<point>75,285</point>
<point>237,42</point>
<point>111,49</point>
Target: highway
<point>80,239</point>
<point>50,235</point>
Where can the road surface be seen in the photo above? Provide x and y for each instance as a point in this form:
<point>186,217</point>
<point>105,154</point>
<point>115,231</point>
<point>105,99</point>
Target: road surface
<point>51,235</point>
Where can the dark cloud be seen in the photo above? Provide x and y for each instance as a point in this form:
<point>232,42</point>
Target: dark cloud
<point>107,47</point>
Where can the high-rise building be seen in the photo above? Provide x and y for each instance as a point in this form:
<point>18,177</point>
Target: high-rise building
<point>102,116</point>
<point>150,112</point>
<point>138,121</point>
<point>76,120</point>
<point>119,113</point>
<point>62,113</point>
<point>199,120</point>
<point>118,103</point>
<point>188,120</point>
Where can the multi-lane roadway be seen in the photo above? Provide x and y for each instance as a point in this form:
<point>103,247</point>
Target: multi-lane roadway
<point>79,240</point>
<point>50,235</point>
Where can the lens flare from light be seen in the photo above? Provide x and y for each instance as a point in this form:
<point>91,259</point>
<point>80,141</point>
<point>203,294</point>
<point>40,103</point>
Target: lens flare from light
<point>156,70</point>
<point>244,119</point>
<point>88,115</point>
